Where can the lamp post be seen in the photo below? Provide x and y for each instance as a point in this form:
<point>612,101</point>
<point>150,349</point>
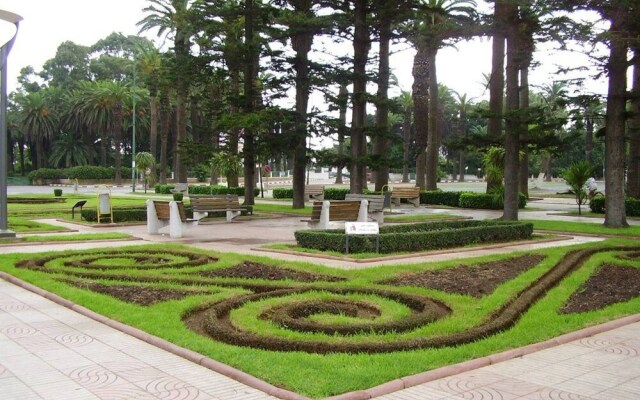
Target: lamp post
<point>4,54</point>
<point>133,124</point>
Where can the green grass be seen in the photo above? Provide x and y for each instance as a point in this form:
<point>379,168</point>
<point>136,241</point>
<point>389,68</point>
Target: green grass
<point>68,238</point>
<point>21,225</point>
<point>583,227</point>
<point>63,210</point>
<point>421,217</point>
<point>280,209</point>
<point>336,372</point>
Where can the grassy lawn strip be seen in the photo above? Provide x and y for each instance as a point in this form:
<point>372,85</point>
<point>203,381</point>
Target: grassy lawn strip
<point>583,227</point>
<point>22,225</point>
<point>280,209</point>
<point>68,238</point>
<point>421,217</point>
<point>333,373</point>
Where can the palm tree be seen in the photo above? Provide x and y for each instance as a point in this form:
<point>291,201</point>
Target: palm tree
<point>38,121</point>
<point>144,161</point>
<point>437,22</point>
<point>463,106</point>
<point>67,151</point>
<point>406,104</point>
<point>173,17</point>
<point>150,65</point>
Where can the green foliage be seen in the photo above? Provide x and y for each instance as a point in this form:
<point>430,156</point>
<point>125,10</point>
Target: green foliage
<point>47,173</point>
<point>417,237</point>
<point>438,197</point>
<point>57,192</point>
<point>283,193</point>
<point>486,201</point>
<point>335,193</point>
<point>576,177</point>
<point>203,189</point>
<point>86,172</point>
<point>201,172</point>
<point>119,214</point>
<point>178,196</point>
<point>631,205</point>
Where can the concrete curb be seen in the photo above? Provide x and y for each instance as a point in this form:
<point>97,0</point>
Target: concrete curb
<point>385,388</point>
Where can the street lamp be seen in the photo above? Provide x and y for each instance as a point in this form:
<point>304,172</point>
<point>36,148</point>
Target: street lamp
<point>4,54</point>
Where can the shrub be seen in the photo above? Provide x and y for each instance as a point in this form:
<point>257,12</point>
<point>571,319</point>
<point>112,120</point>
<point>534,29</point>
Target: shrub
<point>91,172</point>
<point>335,193</point>
<point>486,201</point>
<point>57,192</point>
<point>438,197</point>
<point>417,237</point>
<point>178,196</point>
<point>47,173</point>
<point>283,193</point>
<point>202,189</point>
<point>119,214</point>
<point>631,205</point>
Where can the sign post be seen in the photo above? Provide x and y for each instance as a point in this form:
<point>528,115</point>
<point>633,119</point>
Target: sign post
<point>361,228</point>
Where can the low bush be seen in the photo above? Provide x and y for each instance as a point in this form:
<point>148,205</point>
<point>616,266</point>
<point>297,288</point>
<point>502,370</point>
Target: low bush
<point>283,193</point>
<point>335,193</point>
<point>486,201</point>
<point>83,172</point>
<point>631,205</point>
<point>438,197</point>
<point>203,189</point>
<point>47,173</point>
<point>130,214</point>
<point>417,237</point>
<point>57,192</point>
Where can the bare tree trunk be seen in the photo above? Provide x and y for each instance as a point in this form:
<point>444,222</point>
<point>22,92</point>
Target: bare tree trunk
<point>512,123</point>
<point>406,138</point>
<point>250,76</point>
<point>420,92</point>
<point>615,215</point>
<point>496,84</point>
<point>633,171</point>
<point>433,143</point>
<point>165,122</point>
<point>523,177</point>
<point>381,145</point>
<point>358,138</point>
<point>343,98</point>
<point>153,133</point>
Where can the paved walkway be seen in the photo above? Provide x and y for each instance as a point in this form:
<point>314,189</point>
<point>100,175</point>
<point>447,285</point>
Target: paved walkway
<point>48,351</point>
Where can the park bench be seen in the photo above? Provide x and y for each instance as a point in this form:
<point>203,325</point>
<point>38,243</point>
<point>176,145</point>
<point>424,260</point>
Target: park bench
<point>314,192</point>
<point>163,213</point>
<point>411,194</point>
<point>376,205</point>
<point>337,210</point>
<point>202,205</point>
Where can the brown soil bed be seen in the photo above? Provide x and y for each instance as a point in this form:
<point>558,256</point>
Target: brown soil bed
<point>251,270</point>
<point>610,284</point>
<point>139,295</point>
<point>478,280</point>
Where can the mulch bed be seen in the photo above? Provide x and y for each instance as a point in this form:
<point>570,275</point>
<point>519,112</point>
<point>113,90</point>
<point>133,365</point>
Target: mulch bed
<point>477,281</point>
<point>610,284</point>
<point>139,295</point>
<point>251,270</point>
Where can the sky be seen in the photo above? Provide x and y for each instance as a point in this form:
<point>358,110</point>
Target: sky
<point>48,23</point>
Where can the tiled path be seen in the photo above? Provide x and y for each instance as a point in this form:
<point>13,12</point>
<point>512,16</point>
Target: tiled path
<point>50,352</point>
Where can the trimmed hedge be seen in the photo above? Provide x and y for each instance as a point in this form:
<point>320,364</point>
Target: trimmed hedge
<point>282,193</point>
<point>417,237</point>
<point>335,193</point>
<point>204,189</point>
<point>84,172</point>
<point>139,214</point>
<point>439,197</point>
<point>486,201</point>
<point>631,205</point>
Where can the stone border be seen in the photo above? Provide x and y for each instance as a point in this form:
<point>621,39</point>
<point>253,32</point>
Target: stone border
<point>385,388</point>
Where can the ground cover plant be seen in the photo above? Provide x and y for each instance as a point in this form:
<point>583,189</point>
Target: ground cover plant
<point>348,329</point>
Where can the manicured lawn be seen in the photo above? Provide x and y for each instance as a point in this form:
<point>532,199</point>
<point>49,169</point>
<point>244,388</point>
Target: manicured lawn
<point>421,217</point>
<point>21,225</point>
<point>76,237</point>
<point>583,227</point>
<point>261,300</point>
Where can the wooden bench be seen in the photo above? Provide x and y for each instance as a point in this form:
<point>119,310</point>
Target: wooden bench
<point>203,205</point>
<point>314,192</point>
<point>163,213</point>
<point>411,194</point>
<point>337,210</point>
<point>376,205</point>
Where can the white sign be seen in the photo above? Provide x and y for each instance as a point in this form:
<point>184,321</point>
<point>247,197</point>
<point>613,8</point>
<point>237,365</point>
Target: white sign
<point>361,228</point>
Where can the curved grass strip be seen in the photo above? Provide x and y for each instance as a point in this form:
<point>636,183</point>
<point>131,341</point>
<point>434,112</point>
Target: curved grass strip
<point>219,326</point>
<point>120,259</point>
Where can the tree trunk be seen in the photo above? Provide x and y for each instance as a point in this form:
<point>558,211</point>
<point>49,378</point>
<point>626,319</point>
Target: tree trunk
<point>512,122</point>
<point>358,139</point>
<point>615,216</point>
<point>496,84</point>
<point>420,93</point>
<point>406,139</point>
<point>588,139</point>
<point>302,39</point>
<point>523,177</point>
<point>462,133</point>
<point>633,172</point>
<point>165,125</point>
<point>343,98</point>
<point>381,145</point>
<point>117,141</point>
<point>433,142</point>
<point>250,76</point>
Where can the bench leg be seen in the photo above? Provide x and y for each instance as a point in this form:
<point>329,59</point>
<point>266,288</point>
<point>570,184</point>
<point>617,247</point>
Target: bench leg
<point>363,215</point>
<point>153,223</point>
<point>199,215</point>
<point>323,223</point>
<point>232,214</point>
<point>378,217</point>
<point>415,202</point>
<point>176,227</point>
<point>395,201</point>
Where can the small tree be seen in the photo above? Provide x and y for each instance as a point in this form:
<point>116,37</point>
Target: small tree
<point>576,177</point>
<point>226,164</point>
<point>144,161</point>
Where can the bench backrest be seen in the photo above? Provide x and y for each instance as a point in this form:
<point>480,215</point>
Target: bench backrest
<point>216,202</point>
<point>376,202</point>
<point>406,192</point>
<point>180,188</point>
<point>339,210</point>
<point>163,210</point>
<point>313,190</point>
